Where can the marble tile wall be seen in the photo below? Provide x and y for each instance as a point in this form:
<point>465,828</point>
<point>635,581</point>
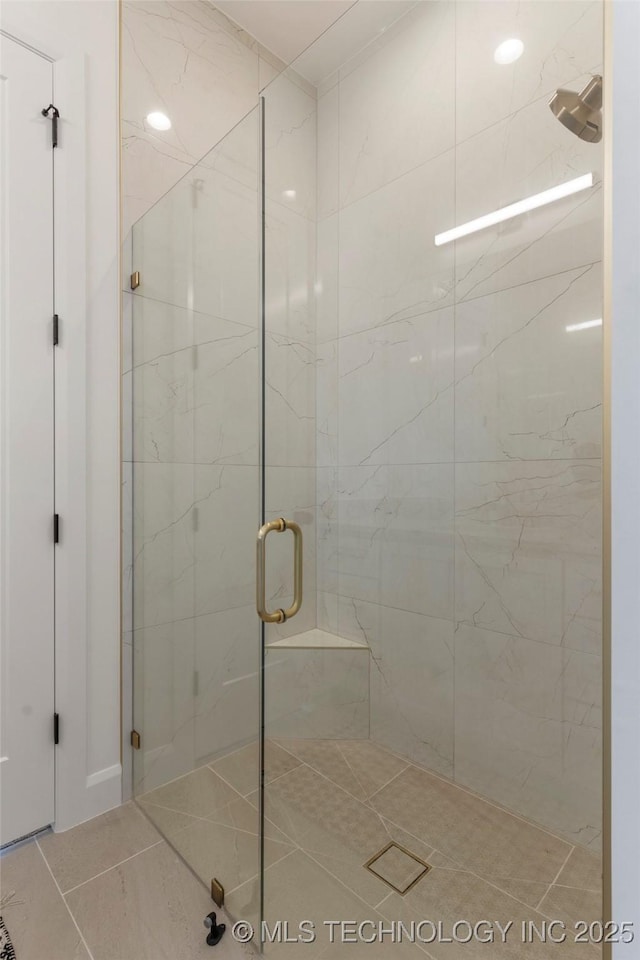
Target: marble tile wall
<point>187,60</point>
<point>458,421</point>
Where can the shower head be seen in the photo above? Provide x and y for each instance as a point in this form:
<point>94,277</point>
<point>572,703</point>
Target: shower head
<point>581,113</point>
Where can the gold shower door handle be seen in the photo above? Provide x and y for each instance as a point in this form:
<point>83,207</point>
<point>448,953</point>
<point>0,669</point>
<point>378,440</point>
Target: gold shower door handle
<point>278,526</point>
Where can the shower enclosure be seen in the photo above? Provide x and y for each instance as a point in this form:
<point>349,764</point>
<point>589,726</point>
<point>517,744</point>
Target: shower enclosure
<point>421,739</point>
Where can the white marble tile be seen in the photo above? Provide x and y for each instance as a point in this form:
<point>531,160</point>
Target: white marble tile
<point>526,388</point>
<point>196,386</point>
<point>163,542</point>
<point>327,278</point>
<point>164,703</point>
<point>397,106</point>
<point>528,550</point>
<point>290,145</point>
<point>390,268</point>
<point>290,402</point>
<point>396,393</point>
<point>159,329</point>
<point>527,729</point>
<point>318,694</point>
<point>226,680</point>
<point>561,42</point>
<point>396,536</point>
<point>269,68</point>
<point>150,168</point>
<point>290,251</point>
<point>226,525</point>
<point>327,604</point>
<point>521,156</point>
<point>198,247</point>
<point>327,403</point>
<point>226,394</point>
<point>164,408</point>
<point>189,62</point>
<point>328,152</point>
<point>237,155</point>
<point>327,532</point>
<point>411,680</point>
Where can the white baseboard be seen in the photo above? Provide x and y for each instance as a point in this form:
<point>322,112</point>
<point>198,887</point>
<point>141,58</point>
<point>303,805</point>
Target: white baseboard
<point>100,776</point>
<point>103,792</point>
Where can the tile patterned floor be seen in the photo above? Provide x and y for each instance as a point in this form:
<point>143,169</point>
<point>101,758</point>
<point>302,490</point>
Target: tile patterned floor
<point>331,805</point>
<point>115,889</point>
<point>111,889</point>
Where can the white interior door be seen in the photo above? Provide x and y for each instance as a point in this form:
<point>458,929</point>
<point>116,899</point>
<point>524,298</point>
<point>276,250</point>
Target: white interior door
<point>26,451</point>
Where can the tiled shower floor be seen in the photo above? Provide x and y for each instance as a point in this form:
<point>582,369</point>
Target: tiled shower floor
<point>331,806</point>
<point>113,889</point>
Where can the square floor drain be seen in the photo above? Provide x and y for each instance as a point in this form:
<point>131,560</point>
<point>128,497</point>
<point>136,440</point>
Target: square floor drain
<point>399,868</point>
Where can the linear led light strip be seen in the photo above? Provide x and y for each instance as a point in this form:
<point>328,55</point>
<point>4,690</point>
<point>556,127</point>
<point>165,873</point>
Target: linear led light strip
<point>585,325</point>
<point>515,209</point>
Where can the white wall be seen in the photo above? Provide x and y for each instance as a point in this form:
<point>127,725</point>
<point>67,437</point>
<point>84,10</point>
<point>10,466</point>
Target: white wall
<point>82,39</point>
<point>623,112</point>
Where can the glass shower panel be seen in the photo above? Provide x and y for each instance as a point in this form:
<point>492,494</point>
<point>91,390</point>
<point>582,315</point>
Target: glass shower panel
<point>528,431</point>
<point>196,450</point>
<point>432,714</point>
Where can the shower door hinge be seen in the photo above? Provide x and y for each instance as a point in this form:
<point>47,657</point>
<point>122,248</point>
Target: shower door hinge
<point>55,116</point>
<point>136,740</point>
<point>56,329</point>
<point>217,892</point>
<point>135,280</point>
<point>56,528</point>
<point>56,728</point>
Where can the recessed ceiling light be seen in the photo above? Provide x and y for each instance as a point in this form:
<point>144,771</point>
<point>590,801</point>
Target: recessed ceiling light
<point>509,51</point>
<point>159,121</point>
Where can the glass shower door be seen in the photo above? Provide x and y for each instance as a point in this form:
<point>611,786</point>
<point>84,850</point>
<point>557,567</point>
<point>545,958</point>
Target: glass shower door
<point>196,368</point>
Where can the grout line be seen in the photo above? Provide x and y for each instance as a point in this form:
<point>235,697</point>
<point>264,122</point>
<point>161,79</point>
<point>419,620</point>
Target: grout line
<point>114,867</point>
<point>145,796</point>
<point>62,897</point>
<point>565,862</point>
<point>406,764</point>
<point>256,875</point>
<point>351,770</point>
<point>217,823</point>
<point>376,792</point>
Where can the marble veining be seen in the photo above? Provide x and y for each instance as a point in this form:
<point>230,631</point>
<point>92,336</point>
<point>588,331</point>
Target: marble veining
<point>431,422</point>
<point>459,421</point>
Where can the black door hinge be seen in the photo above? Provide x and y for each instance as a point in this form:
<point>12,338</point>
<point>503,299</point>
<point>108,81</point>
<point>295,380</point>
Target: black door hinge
<point>55,115</point>
<point>56,728</point>
<point>56,329</point>
<point>56,528</point>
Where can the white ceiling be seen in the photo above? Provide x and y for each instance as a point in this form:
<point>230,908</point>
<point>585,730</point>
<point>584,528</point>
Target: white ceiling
<point>286,27</point>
